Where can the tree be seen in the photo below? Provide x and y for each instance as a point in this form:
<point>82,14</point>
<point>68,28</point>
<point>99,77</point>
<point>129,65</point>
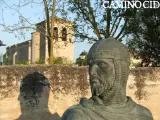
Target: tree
<point>145,43</point>
<point>24,23</point>
<point>80,61</point>
<point>50,28</point>
<point>93,22</point>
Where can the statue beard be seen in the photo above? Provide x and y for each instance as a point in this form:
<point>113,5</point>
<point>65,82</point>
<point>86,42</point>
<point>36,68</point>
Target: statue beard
<point>102,90</point>
<point>97,90</point>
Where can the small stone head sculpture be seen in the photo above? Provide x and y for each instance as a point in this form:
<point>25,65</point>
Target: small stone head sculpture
<point>34,91</point>
<point>109,69</point>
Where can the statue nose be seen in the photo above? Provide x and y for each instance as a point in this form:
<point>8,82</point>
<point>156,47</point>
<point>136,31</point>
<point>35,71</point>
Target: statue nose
<point>94,70</point>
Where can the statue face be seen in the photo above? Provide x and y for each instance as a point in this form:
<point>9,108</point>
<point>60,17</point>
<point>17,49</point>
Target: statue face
<point>29,100</point>
<point>102,76</point>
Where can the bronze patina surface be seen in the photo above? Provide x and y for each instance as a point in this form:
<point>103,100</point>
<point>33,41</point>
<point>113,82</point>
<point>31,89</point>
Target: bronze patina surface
<point>108,70</point>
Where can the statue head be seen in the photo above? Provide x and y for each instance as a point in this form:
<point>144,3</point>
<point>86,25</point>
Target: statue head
<point>108,69</point>
<point>34,91</point>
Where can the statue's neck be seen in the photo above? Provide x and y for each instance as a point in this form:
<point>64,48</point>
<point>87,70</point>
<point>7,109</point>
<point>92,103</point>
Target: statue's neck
<point>117,97</point>
<point>114,103</point>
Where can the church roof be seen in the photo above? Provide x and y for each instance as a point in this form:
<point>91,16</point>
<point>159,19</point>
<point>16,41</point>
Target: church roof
<point>19,44</point>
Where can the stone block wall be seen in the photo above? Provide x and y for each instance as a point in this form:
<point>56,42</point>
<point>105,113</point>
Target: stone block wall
<point>16,52</point>
<point>69,84</point>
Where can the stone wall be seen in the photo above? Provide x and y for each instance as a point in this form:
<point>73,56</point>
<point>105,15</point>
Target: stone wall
<point>60,77</point>
<point>16,52</point>
<point>21,49</point>
<point>69,84</point>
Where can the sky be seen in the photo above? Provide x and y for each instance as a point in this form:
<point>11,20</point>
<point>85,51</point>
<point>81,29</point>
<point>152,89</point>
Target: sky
<point>34,14</point>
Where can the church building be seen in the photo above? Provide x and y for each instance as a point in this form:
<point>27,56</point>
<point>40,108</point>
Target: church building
<point>37,48</point>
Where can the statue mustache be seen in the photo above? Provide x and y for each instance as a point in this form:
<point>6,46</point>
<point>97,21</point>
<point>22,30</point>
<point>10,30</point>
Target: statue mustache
<point>96,85</point>
<point>95,80</point>
<point>95,77</point>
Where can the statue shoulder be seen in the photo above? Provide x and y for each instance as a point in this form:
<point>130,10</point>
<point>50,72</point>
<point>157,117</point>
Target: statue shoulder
<point>75,113</point>
<point>144,111</point>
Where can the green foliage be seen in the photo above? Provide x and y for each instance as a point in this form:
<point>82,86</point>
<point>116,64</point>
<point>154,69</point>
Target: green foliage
<point>62,61</point>
<point>81,62</point>
<point>7,59</point>
<point>41,60</point>
<point>1,58</point>
<point>146,36</point>
<point>22,62</point>
<point>93,22</point>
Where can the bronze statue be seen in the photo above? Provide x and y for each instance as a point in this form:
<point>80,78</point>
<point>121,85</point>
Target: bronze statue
<point>108,70</point>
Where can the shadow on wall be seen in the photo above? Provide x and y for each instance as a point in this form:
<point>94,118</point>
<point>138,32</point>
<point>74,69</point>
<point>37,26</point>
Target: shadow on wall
<point>33,98</point>
<point>55,116</point>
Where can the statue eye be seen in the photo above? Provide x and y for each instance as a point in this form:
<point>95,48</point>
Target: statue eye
<point>102,64</point>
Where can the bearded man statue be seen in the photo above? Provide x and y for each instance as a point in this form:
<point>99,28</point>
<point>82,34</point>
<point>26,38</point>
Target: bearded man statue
<point>109,62</point>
